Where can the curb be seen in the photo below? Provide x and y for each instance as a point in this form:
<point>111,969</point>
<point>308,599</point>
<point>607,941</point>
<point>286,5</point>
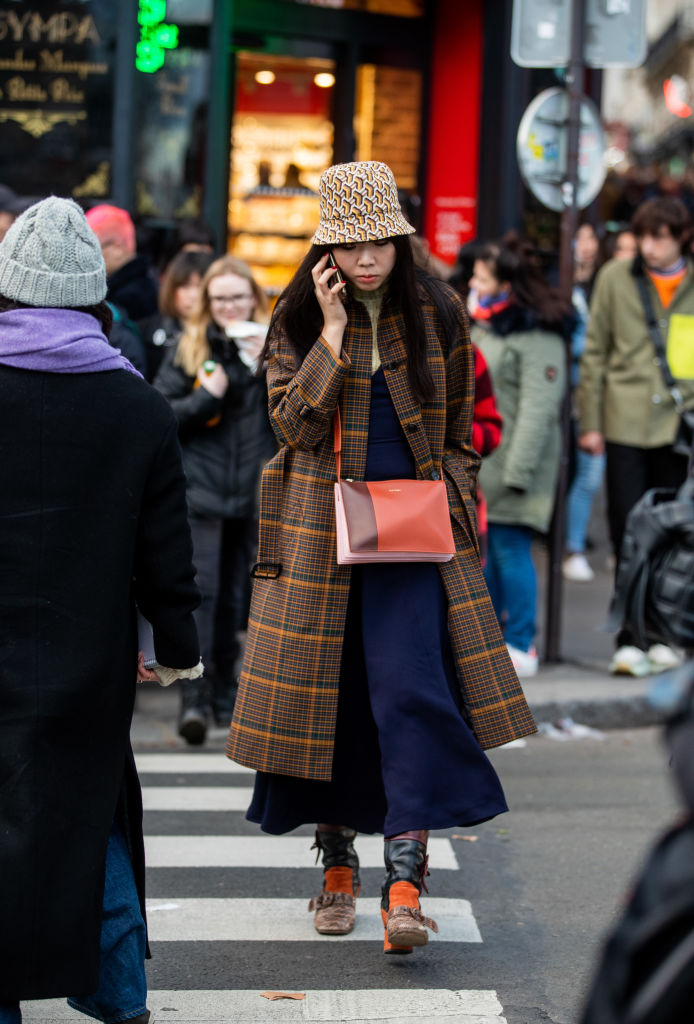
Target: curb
<point>609,713</point>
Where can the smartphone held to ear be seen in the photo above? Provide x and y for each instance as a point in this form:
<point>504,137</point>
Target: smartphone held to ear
<point>337,277</point>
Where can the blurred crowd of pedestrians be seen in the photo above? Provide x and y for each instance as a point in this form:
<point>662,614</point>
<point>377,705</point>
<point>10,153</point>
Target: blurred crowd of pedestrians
<point>195,327</point>
<point>627,419</point>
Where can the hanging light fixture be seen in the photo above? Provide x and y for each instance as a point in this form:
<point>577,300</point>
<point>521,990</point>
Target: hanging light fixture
<point>324,80</point>
<point>265,77</point>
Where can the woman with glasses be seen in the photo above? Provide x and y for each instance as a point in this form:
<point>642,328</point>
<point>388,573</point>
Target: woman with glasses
<point>221,405</point>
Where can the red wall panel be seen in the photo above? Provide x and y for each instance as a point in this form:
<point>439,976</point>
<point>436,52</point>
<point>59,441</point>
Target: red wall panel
<point>450,214</point>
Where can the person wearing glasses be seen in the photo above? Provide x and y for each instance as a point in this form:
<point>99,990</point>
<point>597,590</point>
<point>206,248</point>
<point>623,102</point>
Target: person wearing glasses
<point>210,381</point>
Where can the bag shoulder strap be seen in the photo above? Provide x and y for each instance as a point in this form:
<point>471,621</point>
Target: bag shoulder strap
<point>337,440</point>
<point>656,336</point>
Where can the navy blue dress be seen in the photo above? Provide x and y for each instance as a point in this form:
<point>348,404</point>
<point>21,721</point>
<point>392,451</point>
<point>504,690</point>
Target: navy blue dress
<point>404,756</point>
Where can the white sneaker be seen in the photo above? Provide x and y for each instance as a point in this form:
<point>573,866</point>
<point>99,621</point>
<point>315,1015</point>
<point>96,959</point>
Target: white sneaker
<point>524,662</point>
<point>630,661</point>
<point>662,658</point>
<point>576,569</point>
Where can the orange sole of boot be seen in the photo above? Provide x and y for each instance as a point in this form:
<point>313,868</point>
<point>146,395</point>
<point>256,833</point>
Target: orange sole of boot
<point>388,946</point>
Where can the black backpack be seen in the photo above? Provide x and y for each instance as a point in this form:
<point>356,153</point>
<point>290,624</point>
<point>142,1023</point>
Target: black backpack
<point>646,973</point>
<point>654,592</point>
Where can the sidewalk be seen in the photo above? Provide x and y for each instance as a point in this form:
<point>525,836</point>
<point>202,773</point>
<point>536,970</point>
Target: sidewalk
<point>580,687</point>
<point>588,696</point>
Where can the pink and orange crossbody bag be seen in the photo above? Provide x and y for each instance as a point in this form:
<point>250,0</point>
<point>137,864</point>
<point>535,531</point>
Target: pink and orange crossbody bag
<point>390,520</point>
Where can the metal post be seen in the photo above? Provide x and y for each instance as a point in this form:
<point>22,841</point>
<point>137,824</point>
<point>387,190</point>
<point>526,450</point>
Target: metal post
<point>218,142</point>
<point>344,99</point>
<point>569,225</point>
<point>124,109</point>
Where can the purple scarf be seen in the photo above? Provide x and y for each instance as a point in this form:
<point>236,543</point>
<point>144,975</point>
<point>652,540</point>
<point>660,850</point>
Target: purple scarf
<point>57,341</point>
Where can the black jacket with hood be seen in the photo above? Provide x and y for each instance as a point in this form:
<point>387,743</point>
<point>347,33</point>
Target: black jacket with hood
<point>225,441</point>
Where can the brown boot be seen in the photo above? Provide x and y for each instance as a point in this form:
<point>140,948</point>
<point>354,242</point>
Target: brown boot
<point>335,907</point>
<point>405,925</point>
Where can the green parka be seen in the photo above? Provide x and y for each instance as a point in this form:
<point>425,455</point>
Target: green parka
<point>528,370</point>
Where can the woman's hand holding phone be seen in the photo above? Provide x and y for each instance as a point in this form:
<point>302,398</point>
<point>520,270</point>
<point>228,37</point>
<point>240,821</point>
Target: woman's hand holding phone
<point>328,291</point>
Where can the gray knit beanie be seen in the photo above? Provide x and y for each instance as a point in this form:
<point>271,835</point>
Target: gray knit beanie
<point>51,257</point>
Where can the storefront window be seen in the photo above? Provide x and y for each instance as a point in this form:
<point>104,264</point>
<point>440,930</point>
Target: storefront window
<point>171,136</point>
<point>387,119</point>
<point>56,79</point>
<point>401,8</point>
<point>282,141</point>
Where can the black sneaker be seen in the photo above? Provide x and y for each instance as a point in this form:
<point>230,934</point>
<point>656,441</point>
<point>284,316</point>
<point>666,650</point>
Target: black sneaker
<point>192,725</point>
<point>192,722</point>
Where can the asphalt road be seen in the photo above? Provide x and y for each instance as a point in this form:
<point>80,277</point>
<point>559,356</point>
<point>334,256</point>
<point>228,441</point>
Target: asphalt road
<point>544,883</point>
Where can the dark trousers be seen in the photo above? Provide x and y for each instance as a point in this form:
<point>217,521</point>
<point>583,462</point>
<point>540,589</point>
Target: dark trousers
<point>630,473</point>
<point>223,551</point>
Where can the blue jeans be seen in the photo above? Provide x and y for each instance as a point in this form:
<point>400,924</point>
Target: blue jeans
<point>590,472</point>
<point>512,583</point>
<point>122,991</point>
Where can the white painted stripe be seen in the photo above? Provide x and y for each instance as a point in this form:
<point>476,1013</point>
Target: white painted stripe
<point>267,920</point>
<point>269,852</point>
<point>386,1006</point>
<point>190,764</point>
<point>196,798</point>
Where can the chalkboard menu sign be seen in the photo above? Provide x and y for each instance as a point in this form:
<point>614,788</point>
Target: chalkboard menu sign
<point>56,96</point>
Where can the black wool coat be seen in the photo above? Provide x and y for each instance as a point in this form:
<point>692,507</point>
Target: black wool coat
<point>134,288</point>
<point>93,519</point>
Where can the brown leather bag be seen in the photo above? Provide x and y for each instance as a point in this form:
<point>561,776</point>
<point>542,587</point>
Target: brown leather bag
<point>390,520</point>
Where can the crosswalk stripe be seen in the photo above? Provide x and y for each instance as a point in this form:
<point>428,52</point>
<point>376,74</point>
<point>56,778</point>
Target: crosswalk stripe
<point>288,920</point>
<point>190,764</point>
<point>196,798</point>
<point>247,1006</point>
<point>269,852</point>
<point>209,920</point>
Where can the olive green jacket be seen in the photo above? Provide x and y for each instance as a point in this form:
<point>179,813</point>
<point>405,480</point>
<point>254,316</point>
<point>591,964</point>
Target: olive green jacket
<point>528,372</point>
<point>621,391</point>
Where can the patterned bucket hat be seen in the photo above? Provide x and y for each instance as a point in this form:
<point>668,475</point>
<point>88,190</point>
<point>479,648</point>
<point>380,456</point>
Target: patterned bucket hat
<point>359,203</point>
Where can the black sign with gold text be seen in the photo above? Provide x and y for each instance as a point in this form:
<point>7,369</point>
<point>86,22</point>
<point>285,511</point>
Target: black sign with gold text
<point>56,82</point>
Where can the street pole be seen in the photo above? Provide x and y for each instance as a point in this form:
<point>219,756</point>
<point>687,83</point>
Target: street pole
<point>569,226</point>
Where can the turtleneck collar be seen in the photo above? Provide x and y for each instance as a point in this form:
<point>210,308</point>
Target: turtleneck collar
<point>373,300</point>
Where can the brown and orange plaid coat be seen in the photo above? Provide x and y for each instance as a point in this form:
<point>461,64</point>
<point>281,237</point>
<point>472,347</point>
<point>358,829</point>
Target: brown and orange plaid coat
<point>284,721</point>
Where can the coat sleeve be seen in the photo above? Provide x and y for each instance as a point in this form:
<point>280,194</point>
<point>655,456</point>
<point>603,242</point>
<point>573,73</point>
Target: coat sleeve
<point>460,458</point>
<point>487,421</point>
<point>593,366</point>
<point>192,406</point>
<point>541,378</point>
<point>164,578</point>
<point>302,401</point>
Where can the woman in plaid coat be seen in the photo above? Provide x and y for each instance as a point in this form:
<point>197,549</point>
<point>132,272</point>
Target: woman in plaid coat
<point>367,693</point>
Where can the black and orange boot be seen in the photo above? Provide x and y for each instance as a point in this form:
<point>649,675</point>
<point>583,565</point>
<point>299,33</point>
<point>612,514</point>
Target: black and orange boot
<point>336,906</point>
<point>405,925</point>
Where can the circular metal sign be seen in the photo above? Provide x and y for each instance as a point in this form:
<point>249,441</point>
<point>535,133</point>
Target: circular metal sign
<point>541,147</point>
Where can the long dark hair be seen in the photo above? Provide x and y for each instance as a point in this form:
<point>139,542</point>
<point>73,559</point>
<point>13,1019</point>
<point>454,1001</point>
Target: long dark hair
<point>516,261</point>
<point>101,311</point>
<point>299,314</point>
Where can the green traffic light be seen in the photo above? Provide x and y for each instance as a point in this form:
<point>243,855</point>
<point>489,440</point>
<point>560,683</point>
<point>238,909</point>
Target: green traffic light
<point>148,58</point>
<point>151,12</point>
<point>166,36</point>
<point>155,36</point>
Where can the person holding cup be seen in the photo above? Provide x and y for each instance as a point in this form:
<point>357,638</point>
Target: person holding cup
<point>221,404</point>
